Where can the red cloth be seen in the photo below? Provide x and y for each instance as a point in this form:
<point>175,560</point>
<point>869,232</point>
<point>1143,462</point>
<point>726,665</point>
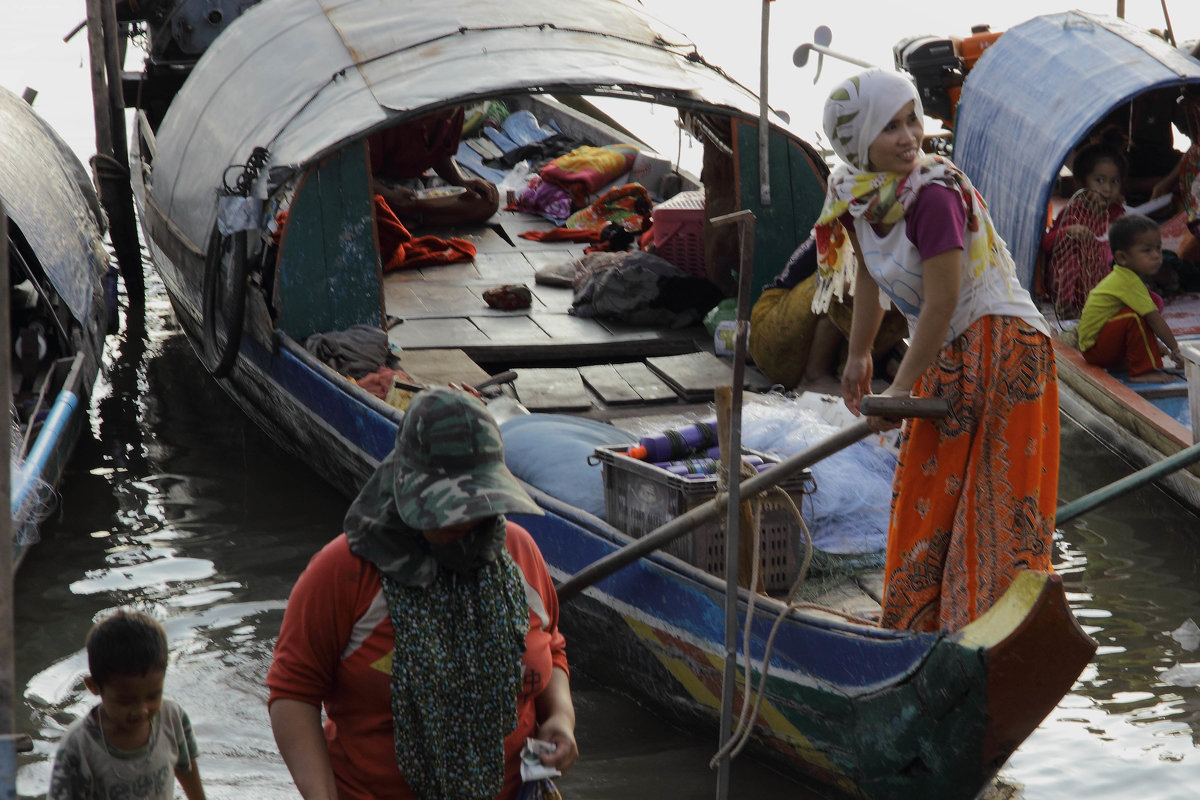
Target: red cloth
<point>399,249</point>
<point>335,647</point>
<point>408,149</point>
<point>563,235</point>
<point>379,382</point>
<point>1125,337</point>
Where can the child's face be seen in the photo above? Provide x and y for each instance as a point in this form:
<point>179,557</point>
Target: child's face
<point>1144,256</point>
<point>1105,180</point>
<point>130,701</point>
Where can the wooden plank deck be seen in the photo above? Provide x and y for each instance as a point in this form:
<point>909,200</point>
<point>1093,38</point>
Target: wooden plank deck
<point>443,307</point>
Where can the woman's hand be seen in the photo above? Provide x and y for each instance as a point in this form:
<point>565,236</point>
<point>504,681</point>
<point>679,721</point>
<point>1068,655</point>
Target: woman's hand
<point>556,714</point>
<point>559,730</point>
<point>856,381</point>
<point>881,424</point>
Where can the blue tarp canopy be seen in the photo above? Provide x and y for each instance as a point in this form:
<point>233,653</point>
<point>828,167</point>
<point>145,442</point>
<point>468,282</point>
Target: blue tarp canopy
<point>1034,94</point>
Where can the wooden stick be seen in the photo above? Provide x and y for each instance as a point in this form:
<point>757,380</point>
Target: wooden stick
<point>745,533</point>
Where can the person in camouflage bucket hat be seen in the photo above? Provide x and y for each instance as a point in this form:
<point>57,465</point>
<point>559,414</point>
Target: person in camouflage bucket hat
<point>428,631</point>
<point>451,464</point>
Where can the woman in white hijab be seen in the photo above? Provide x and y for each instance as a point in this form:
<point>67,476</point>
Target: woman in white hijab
<point>975,493</point>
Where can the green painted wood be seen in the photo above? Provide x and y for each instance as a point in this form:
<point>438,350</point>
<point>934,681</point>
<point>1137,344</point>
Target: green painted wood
<point>797,194</point>
<point>329,276</point>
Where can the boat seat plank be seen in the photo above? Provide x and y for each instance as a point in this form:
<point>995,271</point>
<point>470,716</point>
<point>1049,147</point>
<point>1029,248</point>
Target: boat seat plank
<point>436,333</point>
<point>566,327</point>
<point>504,267</point>
<point>871,583</point>
<point>438,367</point>
<point>645,382</point>
<point>550,389</point>
<point>618,384</point>
<point>454,299</point>
<point>557,298</point>
<point>402,300</point>
<point>694,375</point>
<point>848,598</point>
<point>455,272</point>
<point>510,329</point>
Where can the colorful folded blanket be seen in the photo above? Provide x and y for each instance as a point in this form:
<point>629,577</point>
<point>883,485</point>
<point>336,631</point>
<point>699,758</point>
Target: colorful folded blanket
<point>585,170</point>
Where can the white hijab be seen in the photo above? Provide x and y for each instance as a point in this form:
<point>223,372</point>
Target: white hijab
<point>860,107</point>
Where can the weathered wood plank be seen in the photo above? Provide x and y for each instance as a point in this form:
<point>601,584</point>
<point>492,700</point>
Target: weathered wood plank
<point>442,366</point>
<point>442,332</point>
<point>448,298</point>
<point>516,328</point>
<point>542,389</point>
<point>693,375</point>
<point>566,328</point>
<point>450,273</point>
<point>609,385</point>
<point>503,267</point>
<point>645,382</point>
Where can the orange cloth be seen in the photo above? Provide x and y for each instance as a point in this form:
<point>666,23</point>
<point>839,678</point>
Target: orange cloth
<point>399,249</point>
<point>975,493</point>
<point>335,650</point>
<point>379,382</point>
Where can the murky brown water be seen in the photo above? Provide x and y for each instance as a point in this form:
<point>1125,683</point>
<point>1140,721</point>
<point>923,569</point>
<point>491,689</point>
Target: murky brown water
<point>178,505</point>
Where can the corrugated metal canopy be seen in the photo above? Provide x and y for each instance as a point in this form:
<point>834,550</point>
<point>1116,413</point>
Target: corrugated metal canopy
<point>48,194</point>
<point>302,77</point>
<point>1034,94</point>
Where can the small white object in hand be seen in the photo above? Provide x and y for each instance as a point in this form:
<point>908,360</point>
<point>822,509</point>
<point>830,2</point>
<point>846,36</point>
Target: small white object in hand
<point>532,768</point>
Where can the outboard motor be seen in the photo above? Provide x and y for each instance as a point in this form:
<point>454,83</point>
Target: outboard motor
<point>937,69</point>
<point>180,30</point>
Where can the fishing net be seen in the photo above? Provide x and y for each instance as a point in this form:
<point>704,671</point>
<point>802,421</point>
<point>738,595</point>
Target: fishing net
<point>1081,255</point>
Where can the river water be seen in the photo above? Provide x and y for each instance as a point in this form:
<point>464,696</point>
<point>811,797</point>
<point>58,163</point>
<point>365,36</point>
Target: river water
<point>176,504</point>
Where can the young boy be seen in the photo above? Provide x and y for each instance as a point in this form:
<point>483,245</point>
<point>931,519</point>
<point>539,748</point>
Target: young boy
<point>1120,319</point>
<point>129,744</point>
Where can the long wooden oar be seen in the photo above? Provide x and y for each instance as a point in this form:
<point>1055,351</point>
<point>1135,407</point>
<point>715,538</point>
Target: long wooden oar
<point>1112,491</point>
<point>873,405</point>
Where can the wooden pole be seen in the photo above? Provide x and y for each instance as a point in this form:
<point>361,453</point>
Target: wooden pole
<point>8,758</point>
<point>111,164</point>
<point>1120,9</point>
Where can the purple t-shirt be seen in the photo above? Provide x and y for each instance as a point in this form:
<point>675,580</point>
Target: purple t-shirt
<point>934,223</point>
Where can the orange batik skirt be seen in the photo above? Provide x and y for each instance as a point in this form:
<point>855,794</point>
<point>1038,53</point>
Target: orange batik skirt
<point>975,493</point>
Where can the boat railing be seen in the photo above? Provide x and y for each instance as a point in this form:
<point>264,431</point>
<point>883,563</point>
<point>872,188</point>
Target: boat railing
<point>1191,359</point>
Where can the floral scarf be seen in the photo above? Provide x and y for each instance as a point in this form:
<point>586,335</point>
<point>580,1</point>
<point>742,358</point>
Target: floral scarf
<point>882,198</point>
<point>460,617</point>
<point>855,114</point>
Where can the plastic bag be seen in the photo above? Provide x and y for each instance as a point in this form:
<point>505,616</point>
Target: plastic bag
<point>721,312</point>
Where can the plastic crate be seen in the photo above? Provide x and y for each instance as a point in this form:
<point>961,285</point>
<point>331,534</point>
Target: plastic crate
<point>639,497</point>
<point>679,231</point>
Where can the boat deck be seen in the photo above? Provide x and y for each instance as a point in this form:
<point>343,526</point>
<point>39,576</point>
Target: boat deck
<point>564,363</point>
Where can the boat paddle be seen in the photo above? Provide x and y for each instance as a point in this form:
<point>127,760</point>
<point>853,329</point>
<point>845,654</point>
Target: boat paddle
<point>872,406</point>
<point>1082,505</point>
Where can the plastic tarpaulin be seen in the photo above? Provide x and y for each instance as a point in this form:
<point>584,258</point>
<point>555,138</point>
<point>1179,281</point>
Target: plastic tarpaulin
<point>1036,92</point>
<point>304,77</point>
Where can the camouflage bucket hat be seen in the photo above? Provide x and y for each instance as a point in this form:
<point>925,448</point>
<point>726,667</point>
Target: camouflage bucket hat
<point>450,463</point>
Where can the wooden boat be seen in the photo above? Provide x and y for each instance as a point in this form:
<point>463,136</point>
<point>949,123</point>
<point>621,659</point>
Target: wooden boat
<point>61,305</point>
<point>1099,63</point>
<point>289,91</point>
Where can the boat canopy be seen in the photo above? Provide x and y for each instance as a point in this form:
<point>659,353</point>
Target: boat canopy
<point>1034,94</point>
<point>49,196</point>
<point>303,78</point>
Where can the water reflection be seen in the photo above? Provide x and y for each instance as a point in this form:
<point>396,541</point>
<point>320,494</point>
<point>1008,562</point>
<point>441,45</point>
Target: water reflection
<point>1131,573</point>
<point>178,506</point>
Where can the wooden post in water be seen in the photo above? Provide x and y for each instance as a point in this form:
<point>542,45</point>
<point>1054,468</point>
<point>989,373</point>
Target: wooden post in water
<point>8,753</point>
<point>111,162</point>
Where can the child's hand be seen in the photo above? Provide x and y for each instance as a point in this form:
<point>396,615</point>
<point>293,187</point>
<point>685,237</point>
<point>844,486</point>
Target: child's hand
<point>1078,232</point>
